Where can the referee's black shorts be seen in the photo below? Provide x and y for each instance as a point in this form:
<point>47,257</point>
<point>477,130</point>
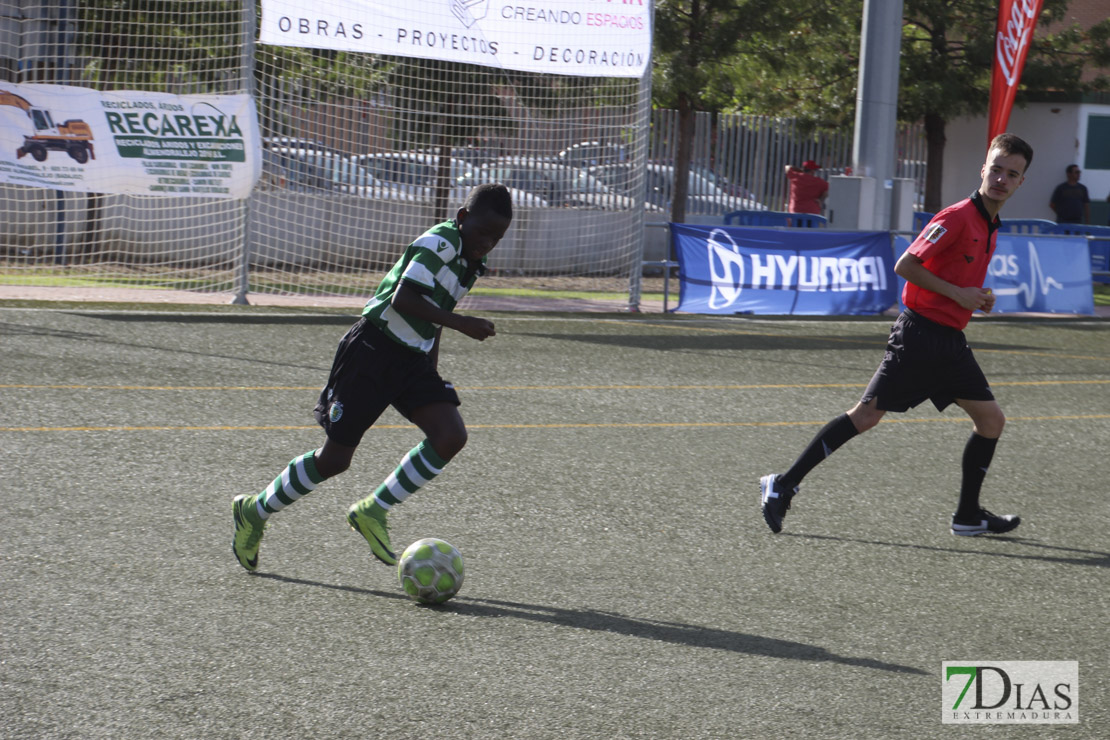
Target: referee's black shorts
<point>926,360</point>
<point>369,373</point>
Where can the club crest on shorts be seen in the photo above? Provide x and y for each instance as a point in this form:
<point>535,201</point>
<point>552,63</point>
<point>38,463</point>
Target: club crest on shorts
<point>335,412</point>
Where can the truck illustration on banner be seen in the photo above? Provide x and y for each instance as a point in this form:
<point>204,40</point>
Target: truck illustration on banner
<point>74,136</point>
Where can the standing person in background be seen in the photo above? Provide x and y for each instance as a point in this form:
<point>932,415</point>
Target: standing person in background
<point>807,190</point>
<point>927,354</point>
<point>1070,200</point>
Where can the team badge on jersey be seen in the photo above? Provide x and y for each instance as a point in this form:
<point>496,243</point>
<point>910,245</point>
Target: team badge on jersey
<point>934,232</point>
<point>335,413</point>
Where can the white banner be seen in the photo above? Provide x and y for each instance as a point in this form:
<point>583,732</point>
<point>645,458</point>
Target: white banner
<point>135,143</point>
<point>588,38</point>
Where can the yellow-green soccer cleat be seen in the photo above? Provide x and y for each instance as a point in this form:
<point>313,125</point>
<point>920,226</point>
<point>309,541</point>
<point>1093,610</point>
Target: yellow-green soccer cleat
<point>248,531</point>
<point>370,523</point>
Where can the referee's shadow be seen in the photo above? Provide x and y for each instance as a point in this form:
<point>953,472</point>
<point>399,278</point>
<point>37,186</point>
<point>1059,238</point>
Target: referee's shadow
<point>1080,556</point>
<point>650,629</point>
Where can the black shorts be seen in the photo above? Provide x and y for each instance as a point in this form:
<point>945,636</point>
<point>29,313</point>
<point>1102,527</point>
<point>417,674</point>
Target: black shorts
<point>369,373</point>
<point>925,359</point>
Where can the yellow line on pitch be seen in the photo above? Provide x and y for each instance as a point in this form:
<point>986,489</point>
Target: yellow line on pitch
<point>875,341</point>
<point>162,387</point>
<point>553,425</point>
<point>1031,353</point>
<point>608,387</point>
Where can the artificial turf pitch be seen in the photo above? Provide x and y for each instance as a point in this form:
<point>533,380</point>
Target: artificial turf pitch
<point>620,582</point>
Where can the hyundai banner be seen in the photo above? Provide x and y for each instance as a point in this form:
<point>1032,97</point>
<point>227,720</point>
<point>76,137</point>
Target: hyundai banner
<point>1034,273</point>
<point>730,270</point>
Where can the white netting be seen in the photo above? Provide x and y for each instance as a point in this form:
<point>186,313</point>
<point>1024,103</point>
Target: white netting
<point>360,153</point>
<point>51,237</point>
<point>361,160</point>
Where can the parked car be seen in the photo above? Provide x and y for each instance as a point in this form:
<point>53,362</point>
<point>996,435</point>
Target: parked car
<point>292,142</point>
<point>702,198</point>
<point>292,169</point>
<point>723,183</point>
<point>592,153</point>
<point>309,171</point>
<point>415,174</point>
<point>561,186</point>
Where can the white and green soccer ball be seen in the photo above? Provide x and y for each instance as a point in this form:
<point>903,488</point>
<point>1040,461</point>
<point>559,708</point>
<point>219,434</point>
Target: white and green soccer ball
<point>431,570</point>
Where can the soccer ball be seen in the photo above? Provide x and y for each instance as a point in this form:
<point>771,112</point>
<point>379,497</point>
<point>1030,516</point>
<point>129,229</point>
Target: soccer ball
<point>430,570</point>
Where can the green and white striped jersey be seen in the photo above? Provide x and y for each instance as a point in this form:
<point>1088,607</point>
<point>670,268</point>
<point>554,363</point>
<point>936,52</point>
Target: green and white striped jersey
<point>434,265</point>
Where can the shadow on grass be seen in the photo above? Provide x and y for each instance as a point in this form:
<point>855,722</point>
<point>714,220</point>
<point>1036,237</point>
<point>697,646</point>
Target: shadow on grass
<point>649,629</point>
<point>1094,558</point>
<point>103,340</point>
<point>304,317</point>
<point>742,340</point>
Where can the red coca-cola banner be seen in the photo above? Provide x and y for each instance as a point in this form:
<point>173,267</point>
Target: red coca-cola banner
<point>1016,20</point>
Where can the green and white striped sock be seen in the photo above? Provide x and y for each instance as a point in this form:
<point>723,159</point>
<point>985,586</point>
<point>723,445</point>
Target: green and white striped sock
<point>298,479</point>
<point>416,470</point>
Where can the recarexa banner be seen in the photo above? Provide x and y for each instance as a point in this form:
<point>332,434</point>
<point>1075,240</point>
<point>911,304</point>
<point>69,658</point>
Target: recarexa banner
<point>729,270</point>
<point>128,142</point>
<point>1035,273</point>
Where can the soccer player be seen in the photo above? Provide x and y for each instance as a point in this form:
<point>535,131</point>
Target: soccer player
<point>390,357</point>
<point>927,355</point>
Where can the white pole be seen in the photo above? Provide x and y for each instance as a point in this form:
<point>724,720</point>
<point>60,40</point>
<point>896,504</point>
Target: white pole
<point>873,145</point>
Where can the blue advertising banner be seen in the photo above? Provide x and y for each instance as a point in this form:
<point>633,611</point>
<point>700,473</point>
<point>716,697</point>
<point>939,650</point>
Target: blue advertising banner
<point>728,270</point>
<point>1035,273</point>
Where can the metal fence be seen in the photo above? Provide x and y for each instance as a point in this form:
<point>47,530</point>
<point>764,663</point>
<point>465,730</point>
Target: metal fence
<point>745,155</point>
<point>310,236</point>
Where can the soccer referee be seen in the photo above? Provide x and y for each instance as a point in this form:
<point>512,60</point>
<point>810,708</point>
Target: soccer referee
<point>927,354</point>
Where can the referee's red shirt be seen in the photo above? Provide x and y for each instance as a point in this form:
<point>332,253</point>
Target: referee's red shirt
<point>956,246</point>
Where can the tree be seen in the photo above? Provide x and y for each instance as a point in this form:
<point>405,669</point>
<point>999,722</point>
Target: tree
<point>808,69</point>
<point>717,55</point>
<point>947,51</point>
<point>694,41</point>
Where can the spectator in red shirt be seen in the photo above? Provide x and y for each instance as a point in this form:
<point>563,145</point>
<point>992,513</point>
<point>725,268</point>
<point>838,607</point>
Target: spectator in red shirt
<point>927,354</point>
<point>807,190</point>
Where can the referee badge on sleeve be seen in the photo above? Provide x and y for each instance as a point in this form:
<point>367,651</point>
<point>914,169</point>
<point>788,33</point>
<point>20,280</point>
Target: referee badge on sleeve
<point>934,232</point>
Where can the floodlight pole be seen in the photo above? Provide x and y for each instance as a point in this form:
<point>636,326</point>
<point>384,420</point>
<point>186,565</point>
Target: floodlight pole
<point>873,143</point>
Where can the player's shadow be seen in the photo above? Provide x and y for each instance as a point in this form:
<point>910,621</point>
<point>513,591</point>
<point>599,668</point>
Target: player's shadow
<point>742,340</point>
<point>737,341</point>
<point>675,632</point>
<point>649,629</point>
<point>102,340</point>
<point>1074,556</point>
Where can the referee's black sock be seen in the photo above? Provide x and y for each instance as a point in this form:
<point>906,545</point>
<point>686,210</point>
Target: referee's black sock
<point>828,440</point>
<point>978,453</point>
